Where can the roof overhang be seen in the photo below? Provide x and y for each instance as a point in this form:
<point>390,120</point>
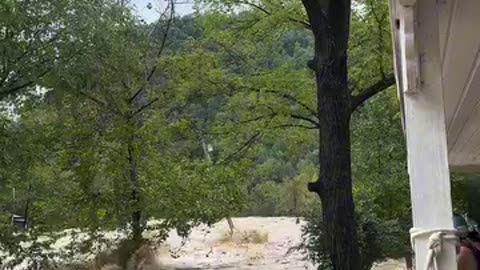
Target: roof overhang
<point>460,57</point>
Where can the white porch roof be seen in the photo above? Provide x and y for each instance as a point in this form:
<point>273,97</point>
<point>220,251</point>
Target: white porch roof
<point>459,39</point>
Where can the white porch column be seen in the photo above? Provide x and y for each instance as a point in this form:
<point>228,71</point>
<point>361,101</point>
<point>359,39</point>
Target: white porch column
<point>426,139</point>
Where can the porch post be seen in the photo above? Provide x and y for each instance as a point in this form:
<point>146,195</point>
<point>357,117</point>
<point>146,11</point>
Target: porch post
<point>426,139</point>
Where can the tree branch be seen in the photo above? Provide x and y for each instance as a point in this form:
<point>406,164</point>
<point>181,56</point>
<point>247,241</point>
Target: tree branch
<point>232,89</point>
<point>262,9</point>
<point>294,126</point>
<point>372,90</point>
<point>258,118</point>
<point>303,118</point>
<point>139,110</point>
<point>287,97</point>
<point>159,52</point>
<point>13,89</point>
<point>101,103</point>
<point>242,148</point>
<point>295,100</point>
<point>235,55</point>
<point>255,6</point>
<point>92,98</point>
<point>162,43</point>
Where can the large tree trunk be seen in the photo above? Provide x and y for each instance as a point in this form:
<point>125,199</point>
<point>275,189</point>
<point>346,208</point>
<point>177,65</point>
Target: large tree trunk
<point>335,179</point>
<point>330,25</point>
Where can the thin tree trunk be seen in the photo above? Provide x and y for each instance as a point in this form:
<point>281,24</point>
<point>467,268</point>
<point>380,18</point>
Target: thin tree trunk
<point>136,214</point>
<point>206,152</point>
<point>26,213</point>
<point>409,261</point>
<point>231,226</point>
<point>293,208</point>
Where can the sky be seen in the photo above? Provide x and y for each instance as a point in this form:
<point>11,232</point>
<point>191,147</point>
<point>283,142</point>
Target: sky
<point>151,15</point>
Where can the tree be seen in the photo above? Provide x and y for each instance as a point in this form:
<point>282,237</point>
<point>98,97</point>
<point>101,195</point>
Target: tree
<point>380,187</point>
<point>135,106</point>
<point>330,25</point>
<point>117,146</point>
<point>337,96</point>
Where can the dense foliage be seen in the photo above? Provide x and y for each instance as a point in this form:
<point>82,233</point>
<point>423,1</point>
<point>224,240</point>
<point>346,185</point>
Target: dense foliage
<point>105,141</point>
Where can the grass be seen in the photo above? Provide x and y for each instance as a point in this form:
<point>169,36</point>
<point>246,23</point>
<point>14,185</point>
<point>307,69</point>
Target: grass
<point>258,237</point>
<point>245,237</point>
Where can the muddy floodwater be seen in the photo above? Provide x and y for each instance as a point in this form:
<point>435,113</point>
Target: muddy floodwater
<point>271,246</point>
<point>262,243</point>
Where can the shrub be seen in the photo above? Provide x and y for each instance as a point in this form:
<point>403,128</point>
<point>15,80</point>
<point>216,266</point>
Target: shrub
<point>378,239</point>
<point>287,198</point>
<point>245,237</point>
